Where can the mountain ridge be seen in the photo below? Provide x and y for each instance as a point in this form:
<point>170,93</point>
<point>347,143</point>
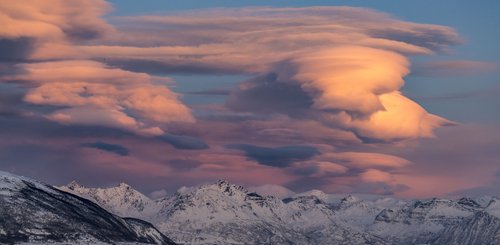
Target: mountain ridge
<point>225,213</point>
<point>38,213</point>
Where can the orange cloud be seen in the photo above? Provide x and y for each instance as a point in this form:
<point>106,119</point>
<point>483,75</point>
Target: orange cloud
<point>350,61</point>
<point>76,70</point>
<point>351,78</point>
<point>374,175</point>
<point>400,118</point>
<point>53,19</point>
<point>95,93</point>
<point>88,115</point>
<point>103,95</point>
<point>346,64</point>
<point>366,160</point>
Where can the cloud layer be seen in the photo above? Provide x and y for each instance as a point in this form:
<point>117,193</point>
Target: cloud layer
<point>343,66</point>
<point>41,41</point>
<point>321,105</point>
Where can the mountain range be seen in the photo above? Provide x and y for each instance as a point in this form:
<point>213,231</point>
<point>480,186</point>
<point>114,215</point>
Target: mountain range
<point>224,213</point>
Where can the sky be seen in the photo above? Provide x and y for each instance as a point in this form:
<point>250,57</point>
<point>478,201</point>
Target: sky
<point>382,97</point>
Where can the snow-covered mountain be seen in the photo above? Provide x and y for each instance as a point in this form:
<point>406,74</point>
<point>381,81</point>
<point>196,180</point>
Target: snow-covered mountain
<point>419,221</point>
<point>480,228</point>
<point>37,213</point>
<point>223,213</point>
<point>122,200</point>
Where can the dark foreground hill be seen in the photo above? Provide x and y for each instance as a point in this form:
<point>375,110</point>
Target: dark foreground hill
<point>38,213</point>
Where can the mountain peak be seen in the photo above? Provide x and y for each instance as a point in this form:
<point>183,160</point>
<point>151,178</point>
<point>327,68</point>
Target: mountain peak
<point>466,201</point>
<point>225,187</point>
<point>125,186</point>
<point>222,182</point>
<point>73,185</point>
<point>350,199</point>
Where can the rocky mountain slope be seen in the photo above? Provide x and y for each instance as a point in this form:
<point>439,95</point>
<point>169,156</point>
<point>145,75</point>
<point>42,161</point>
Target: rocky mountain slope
<point>481,228</point>
<point>37,213</point>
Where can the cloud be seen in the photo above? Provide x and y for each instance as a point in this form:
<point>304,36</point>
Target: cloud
<point>184,142</point>
<point>276,157</point>
<point>91,84</point>
<point>272,190</point>
<point>319,169</point>
<point>158,194</point>
<point>266,94</point>
<point>184,164</point>
<point>365,160</point>
<point>260,37</point>
<point>12,50</point>
<point>321,95</point>
<point>49,27</point>
<point>220,91</point>
<point>111,97</point>
<point>43,38</point>
<point>350,78</point>
<point>372,108</point>
<point>341,66</point>
<point>113,148</point>
<point>76,70</point>
<point>401,118</point>
<point>54,19</point>
<point>461,159</point>
<point>374,175</point>
<point>92,116</point>
<point>338,65</point>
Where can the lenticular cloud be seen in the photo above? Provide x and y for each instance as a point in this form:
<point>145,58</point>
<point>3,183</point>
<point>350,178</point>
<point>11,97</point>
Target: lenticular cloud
<point>343,67</point>
<point>348,63</point>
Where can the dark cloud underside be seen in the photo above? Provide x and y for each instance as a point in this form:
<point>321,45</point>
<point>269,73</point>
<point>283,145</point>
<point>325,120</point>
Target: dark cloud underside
<point>113,148</point>
<point>276,157</point>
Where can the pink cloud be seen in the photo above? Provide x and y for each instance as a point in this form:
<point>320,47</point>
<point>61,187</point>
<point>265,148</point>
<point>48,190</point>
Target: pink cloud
<point>103,94</point>
<point>366,160</point>
<point>348,64</point>
<point>374,175</point>
<point>351,62</point>
<point>96,94</point>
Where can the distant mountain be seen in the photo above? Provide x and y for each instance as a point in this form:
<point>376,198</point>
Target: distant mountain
<point>480,228</point>
<point>224,213</point>
<point>37,213</point>
<point>122,200</point>
<point>420,221</point>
